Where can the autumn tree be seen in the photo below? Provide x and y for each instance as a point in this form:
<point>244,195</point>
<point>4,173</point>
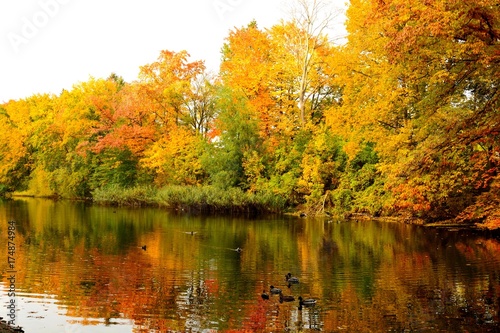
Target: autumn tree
<point>167,82</point>
<point>180,95</point>
<point>199,103</point>
<point>265,66</point>
<point>420,82</point>
<point>76,122</point>
<point>128,124</point>
<point>246,69</point>
<point>305,36</point>
<point>250,74</point>
<point>16,128</point>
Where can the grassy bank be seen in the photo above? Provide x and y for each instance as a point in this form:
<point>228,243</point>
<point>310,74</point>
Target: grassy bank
<point>191,198</point>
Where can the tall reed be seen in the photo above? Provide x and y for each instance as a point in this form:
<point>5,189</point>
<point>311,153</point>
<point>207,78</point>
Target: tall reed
<point>192,198</point>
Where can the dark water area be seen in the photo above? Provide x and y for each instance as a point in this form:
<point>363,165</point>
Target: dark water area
<point>83,268</point>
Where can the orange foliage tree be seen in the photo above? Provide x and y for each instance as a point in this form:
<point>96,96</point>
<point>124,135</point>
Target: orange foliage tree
<point>420,81</point>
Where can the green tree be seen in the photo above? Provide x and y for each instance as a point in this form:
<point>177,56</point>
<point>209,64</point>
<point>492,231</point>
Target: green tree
<point>238,130</point>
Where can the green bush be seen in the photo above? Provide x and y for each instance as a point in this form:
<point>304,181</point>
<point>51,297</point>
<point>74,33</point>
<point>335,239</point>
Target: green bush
<point>117,195</point>
<point>215,199</point>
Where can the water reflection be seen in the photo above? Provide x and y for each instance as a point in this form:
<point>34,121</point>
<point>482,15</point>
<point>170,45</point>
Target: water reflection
<point>83,268</point>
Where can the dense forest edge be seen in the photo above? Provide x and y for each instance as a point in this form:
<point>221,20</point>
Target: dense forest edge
<point>401,119</point>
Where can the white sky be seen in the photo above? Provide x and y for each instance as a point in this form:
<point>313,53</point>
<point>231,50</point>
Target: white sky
<point>50,45</point>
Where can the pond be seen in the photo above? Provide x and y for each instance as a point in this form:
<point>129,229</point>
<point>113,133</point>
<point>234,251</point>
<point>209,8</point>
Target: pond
<point>86,268</point>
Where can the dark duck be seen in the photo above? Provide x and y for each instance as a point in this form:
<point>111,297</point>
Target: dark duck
<point>308,302</point>
<point>274,290</point>
<point>291,279</point>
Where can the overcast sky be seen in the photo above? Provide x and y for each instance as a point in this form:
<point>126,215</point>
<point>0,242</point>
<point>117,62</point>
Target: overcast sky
<point>50,45</point>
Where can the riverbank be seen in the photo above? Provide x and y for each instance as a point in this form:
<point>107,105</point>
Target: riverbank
<point>234,200</point>
<point>212,199</point>
<point>6,328</point>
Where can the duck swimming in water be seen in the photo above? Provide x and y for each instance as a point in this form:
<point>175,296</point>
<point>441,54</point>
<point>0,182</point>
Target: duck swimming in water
<point>287,298</point>
<point>275,290</point>
<point>291,279</point>
<point>308,302</point>
<point>264,295</point>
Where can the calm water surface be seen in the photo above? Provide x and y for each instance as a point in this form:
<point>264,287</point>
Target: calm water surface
<point>81,268</point>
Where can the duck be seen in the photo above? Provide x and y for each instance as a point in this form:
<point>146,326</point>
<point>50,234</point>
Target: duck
<point>291,279</point>
<point>306,302</point>
<point>144,247</point>
<point>264,295</point>
<point>287,298</point>
<point>275,290</point>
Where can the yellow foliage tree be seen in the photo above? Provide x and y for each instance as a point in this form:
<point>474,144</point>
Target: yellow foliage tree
<point>418,81</point>
<point>174,158</point>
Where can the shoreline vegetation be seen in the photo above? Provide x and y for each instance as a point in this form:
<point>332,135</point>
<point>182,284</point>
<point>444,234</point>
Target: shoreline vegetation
<point>203,199</point>
<point>191,198</point>
<point>234,201</point>
<point>213,200</point>
<point>399,122</point>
